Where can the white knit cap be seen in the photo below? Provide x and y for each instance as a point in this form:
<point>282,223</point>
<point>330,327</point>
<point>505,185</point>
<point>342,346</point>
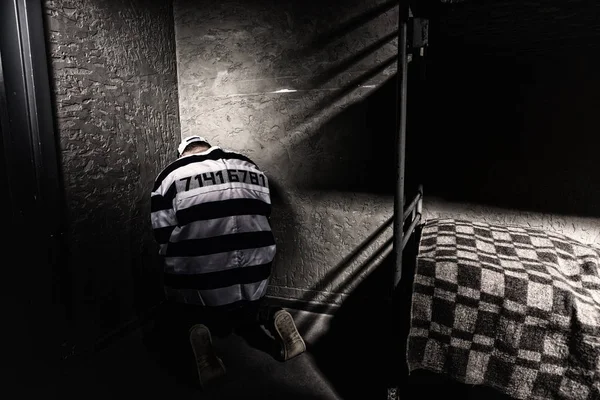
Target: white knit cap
<point>191,139</point>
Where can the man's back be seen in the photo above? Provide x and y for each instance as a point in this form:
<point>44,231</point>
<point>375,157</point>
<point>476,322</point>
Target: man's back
<point>210,216</point>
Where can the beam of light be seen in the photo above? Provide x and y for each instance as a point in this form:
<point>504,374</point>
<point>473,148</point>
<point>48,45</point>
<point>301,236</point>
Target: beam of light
<point>285,91</point>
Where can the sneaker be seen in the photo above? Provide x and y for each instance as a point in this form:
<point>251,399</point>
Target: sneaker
<point>287,335</point>
<point>210,367</point>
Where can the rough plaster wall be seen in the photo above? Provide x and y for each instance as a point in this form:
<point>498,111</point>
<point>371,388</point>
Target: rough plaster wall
<point>237,63</point>
<point>114,76</point>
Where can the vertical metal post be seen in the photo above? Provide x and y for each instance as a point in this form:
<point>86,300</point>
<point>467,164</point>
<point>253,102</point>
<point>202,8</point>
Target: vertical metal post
<point>400,142</point>
<point>401,74</point>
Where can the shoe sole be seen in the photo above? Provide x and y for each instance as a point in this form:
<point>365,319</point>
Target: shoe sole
<point>207,339</point>
<point>298,346</point>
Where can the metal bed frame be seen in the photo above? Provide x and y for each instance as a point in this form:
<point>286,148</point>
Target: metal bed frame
<point>412,40</point>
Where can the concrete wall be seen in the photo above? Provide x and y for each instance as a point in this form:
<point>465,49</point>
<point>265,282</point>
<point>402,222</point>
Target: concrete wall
<point>305,89</point>
<point>114,77</point>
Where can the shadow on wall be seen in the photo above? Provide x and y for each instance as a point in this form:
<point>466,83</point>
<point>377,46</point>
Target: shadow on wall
<point>333,25</point>
<point>359,354</point>
<point>282,219</point>
<point>516,132</point>
<point>354,150</point>
<point>362,261</point>
<point>355,353</point>
<point>323,40</point>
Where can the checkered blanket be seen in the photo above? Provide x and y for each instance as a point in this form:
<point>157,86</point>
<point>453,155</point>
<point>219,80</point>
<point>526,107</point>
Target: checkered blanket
<point>514,308</point>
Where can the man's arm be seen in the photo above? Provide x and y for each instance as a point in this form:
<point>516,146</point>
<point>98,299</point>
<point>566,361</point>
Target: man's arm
<point>163,216</point>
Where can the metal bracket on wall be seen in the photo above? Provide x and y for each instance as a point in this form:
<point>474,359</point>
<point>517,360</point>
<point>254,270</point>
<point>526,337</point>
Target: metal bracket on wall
<point>418,37</point>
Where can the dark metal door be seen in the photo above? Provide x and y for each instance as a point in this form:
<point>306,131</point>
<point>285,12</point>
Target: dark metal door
<point>32,192</point>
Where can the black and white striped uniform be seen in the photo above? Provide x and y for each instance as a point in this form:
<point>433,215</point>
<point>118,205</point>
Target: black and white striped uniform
<point>210,217</point>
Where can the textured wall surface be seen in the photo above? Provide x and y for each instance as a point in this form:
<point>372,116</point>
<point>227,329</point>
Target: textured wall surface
<point>114,76</point>
<point>306,90</point>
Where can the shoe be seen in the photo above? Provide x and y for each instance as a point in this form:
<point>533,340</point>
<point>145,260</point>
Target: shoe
<point>287,335</point>
<point>210,367</point>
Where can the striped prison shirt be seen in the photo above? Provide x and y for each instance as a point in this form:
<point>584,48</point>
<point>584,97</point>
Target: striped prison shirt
<point>209,215</point>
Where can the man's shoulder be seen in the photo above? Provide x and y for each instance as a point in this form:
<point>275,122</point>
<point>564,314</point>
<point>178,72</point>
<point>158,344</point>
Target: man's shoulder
<point>233,153</point>
<point>213,154</point>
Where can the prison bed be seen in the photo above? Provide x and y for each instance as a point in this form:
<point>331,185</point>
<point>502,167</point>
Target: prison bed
<point>512,308</point>
<point>509,307</point>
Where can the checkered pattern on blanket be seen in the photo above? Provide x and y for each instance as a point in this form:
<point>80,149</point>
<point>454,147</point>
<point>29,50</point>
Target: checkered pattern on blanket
<point>514,308</point>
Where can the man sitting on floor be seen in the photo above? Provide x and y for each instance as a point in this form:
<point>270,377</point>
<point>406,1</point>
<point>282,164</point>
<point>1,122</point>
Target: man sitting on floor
<point>210,210</point>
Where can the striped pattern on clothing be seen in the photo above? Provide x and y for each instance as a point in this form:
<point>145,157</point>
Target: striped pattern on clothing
<point>209,214</point>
